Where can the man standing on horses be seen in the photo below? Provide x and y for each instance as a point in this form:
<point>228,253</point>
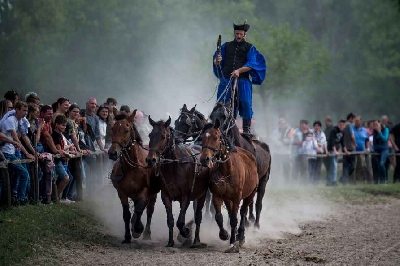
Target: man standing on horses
<point>239,59</point>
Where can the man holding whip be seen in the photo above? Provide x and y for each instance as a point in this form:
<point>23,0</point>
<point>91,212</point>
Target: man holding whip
<point>234,63</point>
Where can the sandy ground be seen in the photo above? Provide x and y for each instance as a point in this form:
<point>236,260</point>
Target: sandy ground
<point>293,233</point>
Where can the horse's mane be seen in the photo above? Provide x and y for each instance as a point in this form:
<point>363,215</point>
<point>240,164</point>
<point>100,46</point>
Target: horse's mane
<point>120,117</point>
<point>200,115</point>
<point>217,105</point>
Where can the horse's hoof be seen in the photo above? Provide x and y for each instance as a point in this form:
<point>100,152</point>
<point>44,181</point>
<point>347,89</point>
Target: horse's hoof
<point>224,235</point>
<point>241,242</point>
<point>198,245</point>
<point>126,241</point>
<point>187,242</point>
<point>170,244</point>
<point>182,238</point>
<point>252,218</point>
<point>234,248</point>
<point>147,236</point>
<point>246,223</point>
<point>136,234</point>
<point>257,226</point>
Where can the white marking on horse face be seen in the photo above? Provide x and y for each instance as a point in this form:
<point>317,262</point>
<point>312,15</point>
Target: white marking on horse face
<point>207,134</point>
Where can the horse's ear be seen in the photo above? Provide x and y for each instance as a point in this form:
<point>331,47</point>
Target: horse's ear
<point>184,108</point>
<point>115,111</point>
<point>131,118</point>
<point>192,110</point>
<point>168,122</point>
<point>216,124</point>
<point>151,121</point>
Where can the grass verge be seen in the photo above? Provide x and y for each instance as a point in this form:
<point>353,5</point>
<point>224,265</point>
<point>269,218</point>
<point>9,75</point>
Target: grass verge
<point>358,194</point>
<point>32,231</point>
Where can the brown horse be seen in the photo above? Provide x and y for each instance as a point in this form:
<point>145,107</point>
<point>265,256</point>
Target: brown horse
<point>182,179</point>
<point>259,149</point>
<point>130,177</point>
<point>234,179</point>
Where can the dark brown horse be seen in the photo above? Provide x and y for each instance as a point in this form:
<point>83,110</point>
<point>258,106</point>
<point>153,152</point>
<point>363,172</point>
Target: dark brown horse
<point>259,149</point>
<point>182,179</point>
<point>188,127</point>
<point>130,177</point>
<point>234,178</point>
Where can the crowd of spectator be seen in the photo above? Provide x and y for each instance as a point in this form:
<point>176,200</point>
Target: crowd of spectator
<point>368,150</point>
<point>32,130</point>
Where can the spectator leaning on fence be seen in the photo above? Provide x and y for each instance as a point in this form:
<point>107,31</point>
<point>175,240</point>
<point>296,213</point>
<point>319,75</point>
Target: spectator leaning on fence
<point>310,147</point>
<point>299,162</point>
<point>61,166</point>
<point>9,127</point>
<point>328,128</point>
<point>93,121</point>
<point>335,140</point>
<point>320,137</point>
<point>381,137</point>
<point>349,145</point>
<point>361,136</point>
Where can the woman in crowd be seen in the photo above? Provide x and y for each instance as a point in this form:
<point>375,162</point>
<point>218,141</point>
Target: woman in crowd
<point>102,113</point>
<point>60,107</point>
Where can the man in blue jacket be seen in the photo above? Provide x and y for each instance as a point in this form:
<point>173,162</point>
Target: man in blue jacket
<point>239,59</point>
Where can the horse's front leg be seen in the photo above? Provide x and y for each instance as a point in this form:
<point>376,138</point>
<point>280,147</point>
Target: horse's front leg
<point>150,210</point>
<point>126,214</point>
<point>233,222</point>
<point>170,218</point>
<point>198,216</point>
<point>140,204</point>
<point>251,213</point>
<point>180,223</point>
<point>217,202</point>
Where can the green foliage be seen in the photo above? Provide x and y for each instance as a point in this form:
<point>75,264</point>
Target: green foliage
<point>294,59</point>
<point>332,51</point>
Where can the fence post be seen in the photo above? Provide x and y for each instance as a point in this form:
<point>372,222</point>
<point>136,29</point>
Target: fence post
<point>76,171</point>
<point>6,185</point>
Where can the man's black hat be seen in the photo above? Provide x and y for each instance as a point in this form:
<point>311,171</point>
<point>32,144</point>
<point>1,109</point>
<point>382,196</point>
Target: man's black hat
<point>244,26</point>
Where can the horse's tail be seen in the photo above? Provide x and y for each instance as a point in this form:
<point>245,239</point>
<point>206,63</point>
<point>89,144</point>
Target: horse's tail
<point>265,146</point>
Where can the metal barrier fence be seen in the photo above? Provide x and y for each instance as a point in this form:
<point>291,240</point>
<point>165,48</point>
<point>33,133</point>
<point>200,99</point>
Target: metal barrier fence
<point>75,167</point>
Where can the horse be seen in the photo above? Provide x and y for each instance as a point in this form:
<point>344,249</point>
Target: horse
<point>234,178</point>
<point>130,177</point>
<point>188,127</point>
<point>259,149</point>
<point>182,179</point>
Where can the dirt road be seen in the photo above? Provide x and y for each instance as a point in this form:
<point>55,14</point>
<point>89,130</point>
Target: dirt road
<point>323,234</point>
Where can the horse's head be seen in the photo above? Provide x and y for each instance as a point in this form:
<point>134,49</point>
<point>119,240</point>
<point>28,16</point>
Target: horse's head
<point>124,134</point>
<point>211,142</point>
<point>160,141</point>
<point>221,112</point>
<point>189,124</point>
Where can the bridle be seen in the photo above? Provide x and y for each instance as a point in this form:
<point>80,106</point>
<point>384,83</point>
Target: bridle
<point>169,146</point>
<point>191,120</point>
<point>220,155</point>
<point>125,148</point>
